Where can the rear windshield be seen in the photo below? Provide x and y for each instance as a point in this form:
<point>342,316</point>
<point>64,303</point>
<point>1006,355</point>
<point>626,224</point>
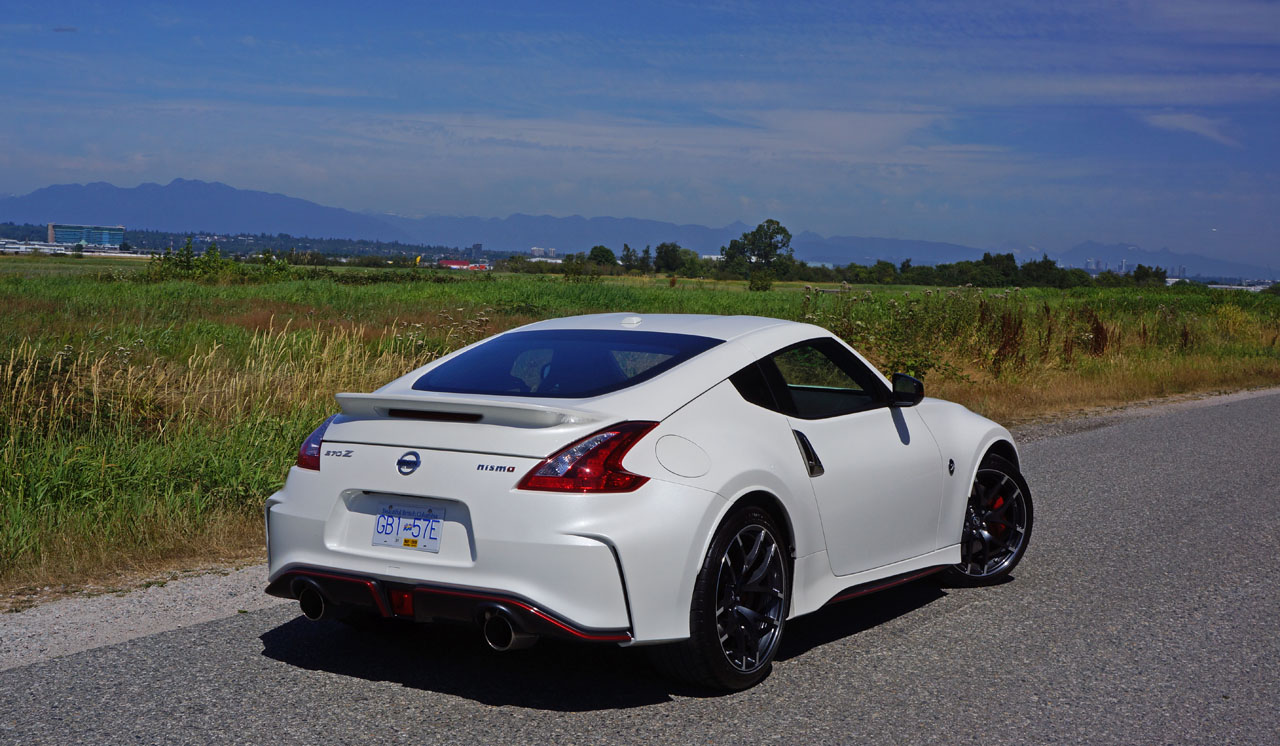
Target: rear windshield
<point>565,364</point>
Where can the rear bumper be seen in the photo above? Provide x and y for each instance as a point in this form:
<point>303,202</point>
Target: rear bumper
<point>618,566</point>
<point>435,602</point>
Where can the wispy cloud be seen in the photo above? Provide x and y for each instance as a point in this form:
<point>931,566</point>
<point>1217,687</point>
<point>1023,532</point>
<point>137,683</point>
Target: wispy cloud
<point>1196,124</point>
<point>1218,21</point>
<point>921,118</point>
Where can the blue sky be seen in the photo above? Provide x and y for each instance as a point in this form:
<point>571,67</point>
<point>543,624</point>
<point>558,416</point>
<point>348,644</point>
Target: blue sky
<point>987,123</point>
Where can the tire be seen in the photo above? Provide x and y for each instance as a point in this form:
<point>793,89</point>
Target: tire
<point>997,525</point>
<point>739,608</point>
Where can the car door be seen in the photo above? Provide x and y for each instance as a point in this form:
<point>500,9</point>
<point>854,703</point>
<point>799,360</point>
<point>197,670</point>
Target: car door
<point>875,470</point>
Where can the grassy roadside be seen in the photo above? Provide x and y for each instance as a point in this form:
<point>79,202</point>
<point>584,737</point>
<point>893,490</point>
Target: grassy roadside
<point>143,423</point>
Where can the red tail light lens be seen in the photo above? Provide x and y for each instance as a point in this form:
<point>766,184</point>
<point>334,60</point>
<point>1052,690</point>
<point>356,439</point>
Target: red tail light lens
<point>593,464</point>
<point>309,453</point>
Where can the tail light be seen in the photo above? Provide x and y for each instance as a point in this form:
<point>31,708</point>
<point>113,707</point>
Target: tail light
<point>309,453</point>
<point>593,464</point>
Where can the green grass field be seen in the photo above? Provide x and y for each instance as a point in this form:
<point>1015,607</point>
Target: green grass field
<point>144,423</point>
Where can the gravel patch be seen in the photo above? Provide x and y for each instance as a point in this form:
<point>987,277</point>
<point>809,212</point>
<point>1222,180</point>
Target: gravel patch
<point>71,625</point>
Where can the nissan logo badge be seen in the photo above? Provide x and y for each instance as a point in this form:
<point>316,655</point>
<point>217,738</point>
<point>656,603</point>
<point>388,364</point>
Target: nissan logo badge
<point>408,463</point>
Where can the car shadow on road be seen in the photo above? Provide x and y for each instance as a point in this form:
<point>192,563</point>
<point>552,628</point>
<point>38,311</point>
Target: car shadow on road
<point>452,659</point>
<point>849,618</point>
<point>552,675</point>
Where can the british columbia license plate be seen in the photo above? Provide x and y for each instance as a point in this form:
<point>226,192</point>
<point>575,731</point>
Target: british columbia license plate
<point>409,527</point>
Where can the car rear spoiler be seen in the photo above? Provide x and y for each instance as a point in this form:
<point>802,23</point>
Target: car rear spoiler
<point>448,408</point>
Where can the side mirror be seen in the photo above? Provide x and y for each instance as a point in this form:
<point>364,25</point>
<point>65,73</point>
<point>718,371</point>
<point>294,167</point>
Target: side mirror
<point>907,391</point>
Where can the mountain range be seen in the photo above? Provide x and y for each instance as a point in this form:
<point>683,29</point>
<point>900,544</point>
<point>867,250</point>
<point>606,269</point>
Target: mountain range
<point>185,205</point>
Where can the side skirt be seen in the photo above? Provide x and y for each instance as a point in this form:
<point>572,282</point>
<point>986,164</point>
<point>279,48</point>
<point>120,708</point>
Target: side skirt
<point>879,585</point>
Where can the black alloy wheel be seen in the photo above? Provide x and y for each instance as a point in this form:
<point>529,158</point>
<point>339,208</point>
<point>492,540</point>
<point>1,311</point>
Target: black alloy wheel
<point>750,589</point>
<point>997,524</point>
<point>740,603</point>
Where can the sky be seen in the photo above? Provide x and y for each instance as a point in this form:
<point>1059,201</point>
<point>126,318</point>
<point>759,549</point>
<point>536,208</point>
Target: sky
<point>992,124</point>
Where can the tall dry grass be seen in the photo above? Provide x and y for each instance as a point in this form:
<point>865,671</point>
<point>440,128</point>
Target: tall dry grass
<point>113,460</point>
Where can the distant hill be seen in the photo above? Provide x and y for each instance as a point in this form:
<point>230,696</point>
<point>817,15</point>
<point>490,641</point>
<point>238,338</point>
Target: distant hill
<point>844,249</point>
<point>196,206</point>
<point>183,205</point>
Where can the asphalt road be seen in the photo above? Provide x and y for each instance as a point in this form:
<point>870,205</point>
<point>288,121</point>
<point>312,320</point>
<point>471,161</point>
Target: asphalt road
<point>1146,611</point>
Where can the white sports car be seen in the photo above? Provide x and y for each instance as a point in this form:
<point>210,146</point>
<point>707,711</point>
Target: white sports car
<point>686,482</point>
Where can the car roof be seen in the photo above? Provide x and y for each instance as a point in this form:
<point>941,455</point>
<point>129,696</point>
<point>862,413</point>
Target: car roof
<point>746,338</point>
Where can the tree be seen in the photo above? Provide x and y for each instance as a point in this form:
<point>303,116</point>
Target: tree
<point>210,261</point>
<point>630,259</point>
<point>884,273</point>
<point>1043,272</point>
<point>646,260</point>
<point>602,255</point>
<point>667,257</point>
<point>690,264</point>
<point>765,249</point>
<point>579,268</point>
<point>760,279</point>
<point>1005,265</point>
<point>1076,278</point>
<point>1144,275</point>
<point>185,259</point>
<point>917,275</point>
<point>1109,279</point>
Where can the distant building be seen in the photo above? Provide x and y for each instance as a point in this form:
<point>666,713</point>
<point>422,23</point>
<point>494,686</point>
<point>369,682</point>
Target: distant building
<point>26,247</point>
<point>540,251</point>
<point>92,235</point>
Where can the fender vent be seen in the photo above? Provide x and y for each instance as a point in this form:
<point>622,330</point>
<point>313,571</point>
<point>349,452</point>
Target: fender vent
<point>811,459</point>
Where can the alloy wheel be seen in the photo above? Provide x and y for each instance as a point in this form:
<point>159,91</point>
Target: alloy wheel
<point>995,525</point>
<point>751,596</point>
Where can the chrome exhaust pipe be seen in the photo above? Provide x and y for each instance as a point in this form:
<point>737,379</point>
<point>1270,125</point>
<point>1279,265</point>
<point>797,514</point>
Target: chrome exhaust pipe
<point>312,602</point>
<point>502,634</point>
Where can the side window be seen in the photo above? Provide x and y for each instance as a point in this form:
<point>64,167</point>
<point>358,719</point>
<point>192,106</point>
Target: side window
<point>752,386</point>
<point>820,378</point>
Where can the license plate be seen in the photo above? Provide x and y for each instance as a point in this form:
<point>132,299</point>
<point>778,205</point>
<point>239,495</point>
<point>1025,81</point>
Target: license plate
<point>409,527</point>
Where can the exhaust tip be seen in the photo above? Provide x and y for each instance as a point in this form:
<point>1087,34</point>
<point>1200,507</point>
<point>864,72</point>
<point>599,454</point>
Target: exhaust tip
<point>312,603</point>
<point>501,634</point>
